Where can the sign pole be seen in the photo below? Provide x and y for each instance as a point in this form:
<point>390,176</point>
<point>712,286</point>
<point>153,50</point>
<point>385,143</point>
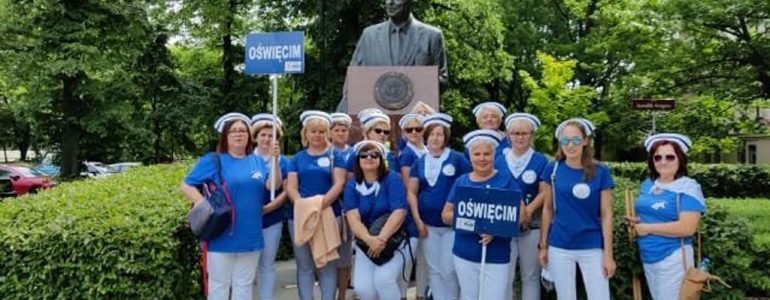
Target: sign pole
<point>654,115</point>
<point>274,160</point>
<point>481,271</point>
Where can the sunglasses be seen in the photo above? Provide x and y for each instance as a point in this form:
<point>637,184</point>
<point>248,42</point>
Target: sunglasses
<point>565,141</point>
<point>413,129</point>
<point>381,131</point>
<point>668,157</point>
<point>368,155</point>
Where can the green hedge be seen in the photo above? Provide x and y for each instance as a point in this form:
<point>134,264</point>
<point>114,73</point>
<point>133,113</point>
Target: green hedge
<point>118,238</point>
<point>727,240</point>
<point>717,180</point>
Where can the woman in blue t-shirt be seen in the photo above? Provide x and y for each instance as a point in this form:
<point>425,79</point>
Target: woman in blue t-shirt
<point>577,219</point>
<point>431,178</point>
<point>411,128</point>
<point>525,164</point>
<point>341,123</point>
<point>668,208</point>
<point>274,210</point>
<point>467,248</point>
<point>310,174</point>
<point>232,256</point>
<point>373,192</point>
<point>489,115</point>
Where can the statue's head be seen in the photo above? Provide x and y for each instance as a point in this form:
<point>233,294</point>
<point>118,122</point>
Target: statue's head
<point>398,9</point>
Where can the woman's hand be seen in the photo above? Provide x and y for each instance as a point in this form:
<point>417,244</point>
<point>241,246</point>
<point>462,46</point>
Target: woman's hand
<point>525,218</point>
<point>630,222</point>
<point>422,230</point>
<point>376,245</point>
<point>485,239</point>
<point>542,256</point>
<point>642,229</point>
<point>275,149</point>
<point>608,266</point>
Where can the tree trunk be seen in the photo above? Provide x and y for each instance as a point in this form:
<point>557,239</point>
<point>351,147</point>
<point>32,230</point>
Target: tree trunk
<point>70,128</point>
<point>228,65</point>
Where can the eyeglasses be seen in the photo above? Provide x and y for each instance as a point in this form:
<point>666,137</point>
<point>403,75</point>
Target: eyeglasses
<point>413,129</point>
<point>381,131</point>
<point>521,133</point>
<point>564,141</point>
<point>234,131</point>
<point>368,155</point>
<point>668,157</point>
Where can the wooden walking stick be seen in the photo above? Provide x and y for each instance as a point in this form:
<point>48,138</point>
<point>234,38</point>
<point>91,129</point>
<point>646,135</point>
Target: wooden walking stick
<point>636,283</point>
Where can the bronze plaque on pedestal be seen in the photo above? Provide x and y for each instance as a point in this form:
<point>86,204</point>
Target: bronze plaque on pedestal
<point>393,89</point>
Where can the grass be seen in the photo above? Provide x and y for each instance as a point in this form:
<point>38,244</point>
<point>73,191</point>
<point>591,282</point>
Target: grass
<point>755,210</point>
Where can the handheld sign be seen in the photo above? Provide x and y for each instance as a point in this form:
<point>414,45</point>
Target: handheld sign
<point>275,53</point>
<point>487,210</point>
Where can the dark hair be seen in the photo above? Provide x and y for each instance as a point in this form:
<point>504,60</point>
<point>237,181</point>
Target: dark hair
<point>429,129</point>
<point>680,156</point>
<point>382,170</point>
<point>223,136</point>
<point>587,158</point>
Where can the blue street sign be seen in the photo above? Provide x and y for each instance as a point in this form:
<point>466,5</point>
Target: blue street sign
<point>487,210</point>
<point>275,52</point>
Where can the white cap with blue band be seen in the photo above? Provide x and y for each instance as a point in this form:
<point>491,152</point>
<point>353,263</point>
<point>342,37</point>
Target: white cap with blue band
<point>220,123</point>
<point>486,135</point>
<point>315,114</point>
<point>683,141</point>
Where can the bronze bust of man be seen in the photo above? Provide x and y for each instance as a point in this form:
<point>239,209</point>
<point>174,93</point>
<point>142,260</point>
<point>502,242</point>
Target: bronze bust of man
<point>400,41</point>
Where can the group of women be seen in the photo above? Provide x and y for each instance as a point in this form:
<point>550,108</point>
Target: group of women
<point>565,208</point>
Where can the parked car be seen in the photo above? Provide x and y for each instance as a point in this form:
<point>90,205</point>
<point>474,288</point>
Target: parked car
<point>122,167</point>
<point>6,187</point>
<point>25,179</point>
<point>98,170</point>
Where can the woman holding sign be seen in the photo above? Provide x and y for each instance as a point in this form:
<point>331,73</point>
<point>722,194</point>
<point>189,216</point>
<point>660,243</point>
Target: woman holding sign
<point>525,164</point>
<point>376,195</point>
<point>669,206</point>
<point>431,178</point>
<point>468,246</point>
<point>577,215</point>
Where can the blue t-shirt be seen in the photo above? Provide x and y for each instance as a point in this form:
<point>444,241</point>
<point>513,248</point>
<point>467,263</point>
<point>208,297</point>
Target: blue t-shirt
<point>391,196</point>
<point>279,214</point>
<point>576,223</point>
<point>661,208</point>
<point>245,178</point>
<point>528,180</point>
<point>345,155</point>
<point>407,157</point>
<point>431,199</point>
<point>315,176</point>
<point>467,244</point>
<point>390,157</point>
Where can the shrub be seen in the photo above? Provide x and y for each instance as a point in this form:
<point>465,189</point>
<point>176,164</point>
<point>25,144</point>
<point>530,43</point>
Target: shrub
<point>717,180</point>
<point>727,241</point>
<point>119,238</point>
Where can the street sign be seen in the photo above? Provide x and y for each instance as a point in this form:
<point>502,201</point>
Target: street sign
<point>653,104</point>
<point>487,210</point>
<point>275,53</point>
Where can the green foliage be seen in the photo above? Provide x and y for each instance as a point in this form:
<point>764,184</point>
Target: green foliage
<point>726,239</point>
<point>120,238</point>
<point>755,211</point>
<point>716,180</point>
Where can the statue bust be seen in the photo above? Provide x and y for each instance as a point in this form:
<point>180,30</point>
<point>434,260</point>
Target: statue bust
<point>402,40</point>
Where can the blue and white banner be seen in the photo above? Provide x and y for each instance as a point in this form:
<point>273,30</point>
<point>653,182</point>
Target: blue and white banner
<point>487,210</point>
<point>275,52</point>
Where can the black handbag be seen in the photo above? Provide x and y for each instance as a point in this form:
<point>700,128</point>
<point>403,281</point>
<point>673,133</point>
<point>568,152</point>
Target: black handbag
<point>210,219</point>
<point>391,246</point>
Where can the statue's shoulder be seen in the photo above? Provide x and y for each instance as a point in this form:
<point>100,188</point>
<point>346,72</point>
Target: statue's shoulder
<point>425,27</point>
<point>376,27</point>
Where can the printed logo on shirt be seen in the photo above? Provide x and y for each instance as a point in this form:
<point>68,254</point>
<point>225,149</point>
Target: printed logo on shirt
<point>659,205</point>
<point>581,191</point>
<point>256,175</point>
<point>323,162</point>
<point>529,177</point>
<point>449,170</point>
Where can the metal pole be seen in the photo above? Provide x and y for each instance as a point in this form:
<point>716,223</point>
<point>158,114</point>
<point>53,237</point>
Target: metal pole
<point>654,114</point>
<point>274,160</point>
<point>481,272</point>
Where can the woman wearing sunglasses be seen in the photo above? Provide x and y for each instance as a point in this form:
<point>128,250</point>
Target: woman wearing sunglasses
<point>310,174</point>
<point>274,210</point>
<point>467,247</point>
<point>431,178</point>
<point>376,127</point>
<point>375,192</point>
<point>669,207</point>
<point>411,128</point>
<point>577,214</point>
<point>525,165</point>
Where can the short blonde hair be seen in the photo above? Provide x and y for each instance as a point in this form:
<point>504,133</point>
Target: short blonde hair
<point>315,123</point>
<point>422,108</point>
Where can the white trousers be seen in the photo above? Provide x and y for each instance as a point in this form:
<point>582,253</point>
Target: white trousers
<point>407,254</point>
<point>373,282</point>
<point>231,271</point>
<point>421,277</point>
<point>267,277</point>
<point>664,278</point>
<point>561,264</point>
<point>306,272</point>
<point>495,280</point>
<point>437,248</point>
<point>525,250</point>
